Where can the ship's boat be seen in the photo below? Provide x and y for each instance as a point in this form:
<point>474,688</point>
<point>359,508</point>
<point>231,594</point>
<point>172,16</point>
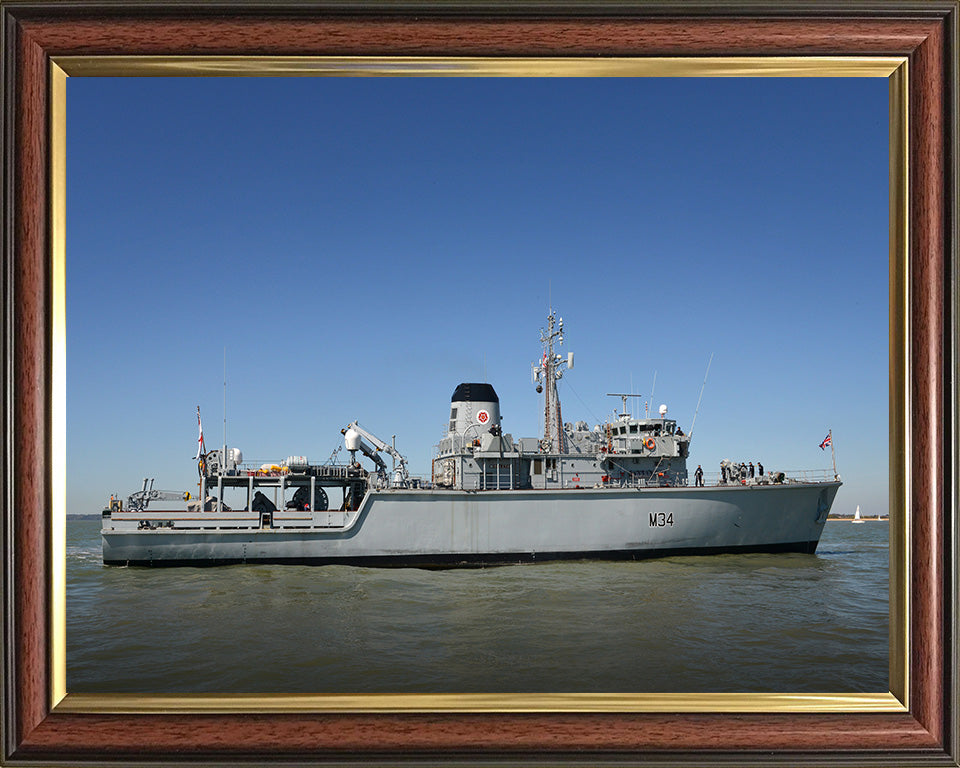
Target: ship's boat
<point>619,490</point>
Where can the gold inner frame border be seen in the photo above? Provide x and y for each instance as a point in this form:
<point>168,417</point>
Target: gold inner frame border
<point>894,68</point>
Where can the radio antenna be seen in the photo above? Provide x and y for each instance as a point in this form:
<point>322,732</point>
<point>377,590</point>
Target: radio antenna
<point>701,395</point>
<point>224,459</point>
<point>647,406</point>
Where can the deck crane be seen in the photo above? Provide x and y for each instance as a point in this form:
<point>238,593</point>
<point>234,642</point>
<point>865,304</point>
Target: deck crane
<point>139,500</point>
<point>354,436</point>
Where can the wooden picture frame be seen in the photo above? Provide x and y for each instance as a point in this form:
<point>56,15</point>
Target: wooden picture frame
<point>39,727</point>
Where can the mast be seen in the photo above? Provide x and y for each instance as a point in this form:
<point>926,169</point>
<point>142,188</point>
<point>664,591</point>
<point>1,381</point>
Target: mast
<point>223,456</point>
<point>833,455</point>
<point>546,374</point>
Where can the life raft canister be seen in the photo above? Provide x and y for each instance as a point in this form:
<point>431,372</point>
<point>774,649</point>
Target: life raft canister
<point>650,443</point>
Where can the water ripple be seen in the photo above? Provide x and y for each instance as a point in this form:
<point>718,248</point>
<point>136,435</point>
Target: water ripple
<point>755,622</point>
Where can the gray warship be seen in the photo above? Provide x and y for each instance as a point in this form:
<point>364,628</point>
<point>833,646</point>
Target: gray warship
<point>617,491</point>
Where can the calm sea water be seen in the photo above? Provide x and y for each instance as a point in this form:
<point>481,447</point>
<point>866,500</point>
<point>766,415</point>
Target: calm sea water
<point>791,623</point>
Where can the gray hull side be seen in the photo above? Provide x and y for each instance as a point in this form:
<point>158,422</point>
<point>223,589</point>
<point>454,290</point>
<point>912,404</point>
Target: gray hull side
<point>462,528</point>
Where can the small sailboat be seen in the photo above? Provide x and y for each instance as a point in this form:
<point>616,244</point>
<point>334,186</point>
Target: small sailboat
<point>856,515</point>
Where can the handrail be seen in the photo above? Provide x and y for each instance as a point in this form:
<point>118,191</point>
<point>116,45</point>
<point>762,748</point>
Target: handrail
<point>714,479</point>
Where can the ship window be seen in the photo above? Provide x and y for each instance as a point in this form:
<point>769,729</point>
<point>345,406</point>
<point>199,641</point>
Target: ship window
<point>538,466</point>
<point>633,429</point>
<point>497,475</point>
<point>453,414</point>
<point>551,463</point>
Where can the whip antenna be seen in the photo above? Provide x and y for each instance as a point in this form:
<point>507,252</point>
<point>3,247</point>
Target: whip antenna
<point>701,395</point>
<point>223,461</point>
<point>647,407</point>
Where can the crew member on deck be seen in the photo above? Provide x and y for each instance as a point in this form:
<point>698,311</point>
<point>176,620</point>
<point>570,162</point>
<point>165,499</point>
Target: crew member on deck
<point>262,504</point>
<point>698,476</point>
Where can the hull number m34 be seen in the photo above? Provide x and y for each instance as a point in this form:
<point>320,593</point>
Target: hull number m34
<point>661,520</point>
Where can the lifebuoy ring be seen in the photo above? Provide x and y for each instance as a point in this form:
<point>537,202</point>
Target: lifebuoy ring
<point>650,443</point>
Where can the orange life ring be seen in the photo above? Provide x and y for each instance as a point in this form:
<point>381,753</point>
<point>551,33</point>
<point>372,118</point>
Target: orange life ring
<point>650,443</point>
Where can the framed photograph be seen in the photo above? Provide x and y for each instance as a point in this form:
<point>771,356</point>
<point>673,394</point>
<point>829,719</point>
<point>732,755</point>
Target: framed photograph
<point>46,44</point>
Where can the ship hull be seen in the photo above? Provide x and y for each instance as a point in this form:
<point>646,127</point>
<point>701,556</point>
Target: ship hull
<point>436,528</point>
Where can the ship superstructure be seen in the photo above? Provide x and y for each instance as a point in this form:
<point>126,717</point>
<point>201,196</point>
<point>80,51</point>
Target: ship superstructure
<point>626,453</point>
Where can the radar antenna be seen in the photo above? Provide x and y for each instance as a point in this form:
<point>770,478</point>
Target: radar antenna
<point>623,397</point>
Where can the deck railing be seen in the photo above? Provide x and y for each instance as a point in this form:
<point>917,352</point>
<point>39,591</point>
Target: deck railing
<point>769,477</point>
<point>631,480</point>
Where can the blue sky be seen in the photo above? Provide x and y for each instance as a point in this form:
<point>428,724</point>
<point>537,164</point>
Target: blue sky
<point>359,246</point>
